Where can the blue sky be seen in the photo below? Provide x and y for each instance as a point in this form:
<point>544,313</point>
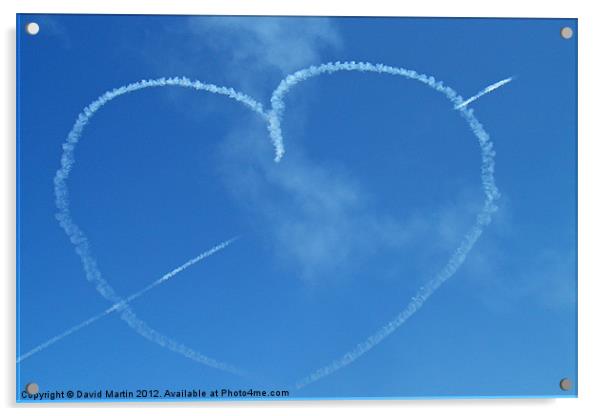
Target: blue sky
<point>379,184</point>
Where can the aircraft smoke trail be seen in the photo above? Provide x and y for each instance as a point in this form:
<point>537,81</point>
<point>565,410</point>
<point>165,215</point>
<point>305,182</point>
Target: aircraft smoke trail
<point>118,306</point>
<point>274,118</point>
<point>60,336</point>
<point>484,91</point>
<point>80,240</point>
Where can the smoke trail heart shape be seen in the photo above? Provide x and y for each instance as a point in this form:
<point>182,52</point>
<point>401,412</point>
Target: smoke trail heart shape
<point>273,119</point>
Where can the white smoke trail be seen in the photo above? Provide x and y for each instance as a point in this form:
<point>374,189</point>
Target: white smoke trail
<point>274,118</point>
<point>275,114</point>
<point>120,305</point>
<point>79,239</point>
<point>60,336</point>
<point>484,91</point>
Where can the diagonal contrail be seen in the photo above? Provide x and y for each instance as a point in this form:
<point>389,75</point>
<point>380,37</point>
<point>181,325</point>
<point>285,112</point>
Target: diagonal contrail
<point>484,91</point>
<point>120,305</point>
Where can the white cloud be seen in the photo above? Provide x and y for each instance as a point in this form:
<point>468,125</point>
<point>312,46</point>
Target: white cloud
<point>282,43</point>
<point>322,222</point>
<point>248,53</point>
<point>505,272</point>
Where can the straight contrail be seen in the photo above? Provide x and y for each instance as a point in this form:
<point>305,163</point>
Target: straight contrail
<point>78,237</point>
<point>484,91</point>
<point>120,305</point>
<point>274,118</point>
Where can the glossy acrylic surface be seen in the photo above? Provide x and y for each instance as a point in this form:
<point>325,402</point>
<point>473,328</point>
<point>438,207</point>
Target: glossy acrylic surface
<point>331,207</point>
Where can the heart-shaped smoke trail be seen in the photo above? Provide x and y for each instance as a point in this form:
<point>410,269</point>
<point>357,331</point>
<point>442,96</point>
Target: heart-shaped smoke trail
<point>273,118</point>
<point>79,239</point>
<point>487,179</point>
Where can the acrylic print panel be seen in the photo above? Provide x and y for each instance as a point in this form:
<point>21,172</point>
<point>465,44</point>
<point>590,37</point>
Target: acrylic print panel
<point>277,208</point>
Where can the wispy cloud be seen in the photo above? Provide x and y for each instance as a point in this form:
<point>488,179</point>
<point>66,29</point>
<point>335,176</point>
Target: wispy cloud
<point>322,222</point>
<point>284,44</point>
<point>507,272</point>
<point>250,53</point>
<point>316,217</point>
